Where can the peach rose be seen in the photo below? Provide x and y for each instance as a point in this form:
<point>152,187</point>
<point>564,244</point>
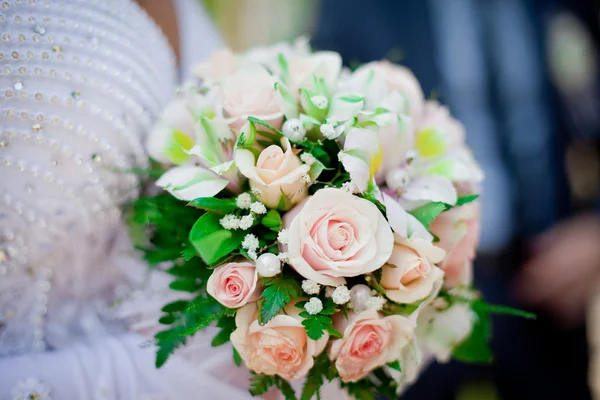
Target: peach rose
<point>251,92</point>
<point>234,284</point>
<point>458,230</point>
<point>280,347</point>
<point>410,273</point>
<point>370,341</point>
<point>335,234</point>
<point>278,171</point>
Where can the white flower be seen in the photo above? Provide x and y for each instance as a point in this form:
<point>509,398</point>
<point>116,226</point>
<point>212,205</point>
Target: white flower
<point>328,131</point>
<point>230,222</point>
<point>306,178</point>
<point>252,254</point>
<point>341,295</point>
<point>310,287</point>
<point>314,306</point>
<point>283,256</point>
<point>375,303</point>
<point>293,130</point>
<point>319,101</point>
<point>250,242</point>
<point>329,291</point>
<point>246,222</point>
<point>244,201</point>
<point>308,158</point>
<point>258,208</point>
<point>350,187</point>
<point>31,388</point>
<point>283,236</point>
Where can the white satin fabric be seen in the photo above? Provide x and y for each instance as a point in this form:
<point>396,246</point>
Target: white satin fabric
<point>81,82</point>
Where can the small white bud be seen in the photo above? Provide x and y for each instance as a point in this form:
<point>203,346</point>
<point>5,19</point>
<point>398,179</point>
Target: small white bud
<point>230,222</point>
<point>283,257</point>
<point>258,208</point>
<point>314,306</point>
<point>307,158</point>
<point>310,287</point>
<point>246,222</point>
<point>250,242</point>
<point>341,295</point>
<point>375,303</point>
<point>283,236</point>
<point>320,102</point>
<point>306,178</point>
<point>294,130</point>
<point>243,201</point>
<point>328,131</point>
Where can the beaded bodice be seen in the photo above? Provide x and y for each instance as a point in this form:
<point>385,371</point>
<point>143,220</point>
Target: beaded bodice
<point>80,84</point>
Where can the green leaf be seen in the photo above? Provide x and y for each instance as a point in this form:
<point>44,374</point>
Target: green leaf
<point>268,135</point>
<point>352,98</point>
<point>475,348</point>
<point>184,285</point>
<point>395,365</point>
<point>167,319</point>
<point>502,310</point>
<point>217,206</point>
<point>166,347</point>
<point>237,359</point>
<point>429,212</point>
<point>286,389</point>
<point>260,384</point>
<point>179,305</point>
<point>278,292</point>
<point>227,325</point>
<point>316,325</point>
<point>272,220</point>
<point>283,66</point>
<point>188,253</point>
<point>466,199</point>
<point>201,313</point>
<point>211,241</point>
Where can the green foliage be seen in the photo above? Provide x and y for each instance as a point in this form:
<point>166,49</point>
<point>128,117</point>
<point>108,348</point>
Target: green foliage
<point>429,212</point>
<point>227,325</point>
<point>278,292</point>
<point>214,205</point>
<point>475,348</point>
<point>272,220</point>
<point>466,199</point>
<point>260,384</point>
<point>322,370</point>
<point>237,359</point>
<point>211,241</point>
<point>395,365</point>
<point>268,135</point>
<point>319,323</point>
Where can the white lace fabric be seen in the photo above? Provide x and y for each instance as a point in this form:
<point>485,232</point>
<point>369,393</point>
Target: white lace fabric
<point>81,82</point>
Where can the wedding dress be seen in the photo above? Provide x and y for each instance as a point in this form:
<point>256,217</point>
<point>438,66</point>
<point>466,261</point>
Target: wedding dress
<point>81,82</point>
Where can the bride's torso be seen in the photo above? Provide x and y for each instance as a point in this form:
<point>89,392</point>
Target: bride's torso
<point>81,82</point>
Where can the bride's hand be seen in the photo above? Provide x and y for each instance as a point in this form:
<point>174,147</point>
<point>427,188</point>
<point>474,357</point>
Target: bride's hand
<point>564,271</point>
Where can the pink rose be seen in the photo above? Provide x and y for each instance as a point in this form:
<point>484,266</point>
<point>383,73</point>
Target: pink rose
<point>458,230</point>
<point>277,171</point>
<point>335,235</point>
<point>234,284</point>
<point>410,274</point>
<point>251,92</point>
<point>280,347</point>
<point>370,341</point>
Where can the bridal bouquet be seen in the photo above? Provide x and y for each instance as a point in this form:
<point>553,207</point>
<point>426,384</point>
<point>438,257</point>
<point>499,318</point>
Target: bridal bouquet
<point>324,219</point>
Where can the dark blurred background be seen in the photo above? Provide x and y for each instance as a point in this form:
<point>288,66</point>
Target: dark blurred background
<point>522,76</point>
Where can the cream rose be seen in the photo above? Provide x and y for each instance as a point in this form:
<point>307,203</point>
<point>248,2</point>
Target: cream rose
<point>220,64</point>
<point>280,347</point>
<point>396,80</point>
<point>234,284</point>
<point>410,274</point>
<point>251,92</point>
<point>276,172</point>
<point>458,230</point>
<point>370,341</point>
<point>335,235</point>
